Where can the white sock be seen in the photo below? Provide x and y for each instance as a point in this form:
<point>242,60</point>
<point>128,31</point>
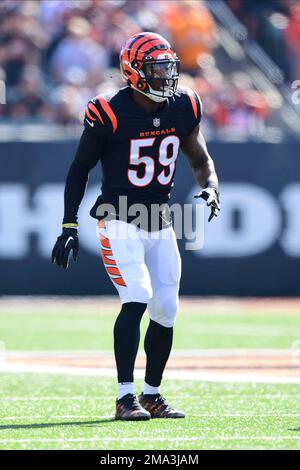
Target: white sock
<point>149,390</point>
<point>124,388</point>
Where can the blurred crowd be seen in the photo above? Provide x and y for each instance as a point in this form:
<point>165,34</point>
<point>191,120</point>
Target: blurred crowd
<point>56,54</point>
<point>275,25</point>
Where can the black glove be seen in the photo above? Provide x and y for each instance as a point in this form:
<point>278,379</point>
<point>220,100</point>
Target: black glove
<point>67,242</point>
<point>211,196</point>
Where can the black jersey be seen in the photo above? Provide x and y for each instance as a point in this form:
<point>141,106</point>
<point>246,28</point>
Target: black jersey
<point>137,150</point>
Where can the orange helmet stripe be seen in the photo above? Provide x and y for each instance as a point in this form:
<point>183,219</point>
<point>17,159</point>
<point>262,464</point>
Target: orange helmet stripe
<point>157,52</point>
<point>141,43</point>
<point>131,41</point>
<point>137,43</point>
<point>109,112</point>
<point>146,46</point>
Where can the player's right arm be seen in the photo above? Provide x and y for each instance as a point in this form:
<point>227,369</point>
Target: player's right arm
<point>87,156</point>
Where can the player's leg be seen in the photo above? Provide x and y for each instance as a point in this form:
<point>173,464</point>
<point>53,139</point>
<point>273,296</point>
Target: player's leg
<point>164,264</point>
<point>126,343</point>
<point>123,256</point>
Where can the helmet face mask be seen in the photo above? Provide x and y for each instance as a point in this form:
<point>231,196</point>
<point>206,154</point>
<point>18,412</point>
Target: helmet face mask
<point>150,66</point>
<point>161,77</point>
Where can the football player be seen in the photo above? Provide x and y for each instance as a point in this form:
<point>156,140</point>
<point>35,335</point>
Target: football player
<point>136,133</point>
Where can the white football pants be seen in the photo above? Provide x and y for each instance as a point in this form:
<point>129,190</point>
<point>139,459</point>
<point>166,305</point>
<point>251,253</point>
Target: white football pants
<point>143,266</point>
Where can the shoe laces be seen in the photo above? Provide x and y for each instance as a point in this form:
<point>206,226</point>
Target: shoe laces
<point>132,401</point>
<point>160,400</point>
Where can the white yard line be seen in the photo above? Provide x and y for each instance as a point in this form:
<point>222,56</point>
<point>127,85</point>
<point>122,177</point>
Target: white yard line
<point>173,375</point>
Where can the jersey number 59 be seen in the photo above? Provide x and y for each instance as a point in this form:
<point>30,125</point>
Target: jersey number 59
<point>166,175</point>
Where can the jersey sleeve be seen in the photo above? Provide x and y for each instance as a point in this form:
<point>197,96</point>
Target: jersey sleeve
<point>99,117</point>
<point>194,112</point>
<point>87,156</point>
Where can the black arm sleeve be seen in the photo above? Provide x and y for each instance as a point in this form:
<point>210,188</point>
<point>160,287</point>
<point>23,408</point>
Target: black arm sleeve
<point>87,156</point>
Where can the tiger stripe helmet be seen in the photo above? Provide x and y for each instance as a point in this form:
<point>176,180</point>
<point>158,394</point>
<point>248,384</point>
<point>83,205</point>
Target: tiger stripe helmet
<point>150,66</point>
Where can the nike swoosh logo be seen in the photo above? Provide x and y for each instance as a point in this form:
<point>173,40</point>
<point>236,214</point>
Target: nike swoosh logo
<point>70,238</point>
<point>89,122</point>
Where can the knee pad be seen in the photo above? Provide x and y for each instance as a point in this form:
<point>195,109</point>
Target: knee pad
<point>163,310</point>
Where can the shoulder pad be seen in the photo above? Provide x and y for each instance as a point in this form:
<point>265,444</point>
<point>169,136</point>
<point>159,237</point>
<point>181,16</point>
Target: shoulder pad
<point>99,114</point>
<point>194,101</point>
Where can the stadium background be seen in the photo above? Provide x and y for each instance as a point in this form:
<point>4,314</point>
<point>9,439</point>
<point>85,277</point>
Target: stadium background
<point>235,364</point>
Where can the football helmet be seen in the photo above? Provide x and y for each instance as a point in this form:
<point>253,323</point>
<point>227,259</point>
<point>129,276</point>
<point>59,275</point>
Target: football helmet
<point>150,66</point>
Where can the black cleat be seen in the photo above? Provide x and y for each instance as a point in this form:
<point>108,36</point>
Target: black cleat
<point>129,409</point>
<point>158,408</point>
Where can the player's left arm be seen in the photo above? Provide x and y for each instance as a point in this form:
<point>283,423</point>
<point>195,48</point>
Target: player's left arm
<point>195,150</point>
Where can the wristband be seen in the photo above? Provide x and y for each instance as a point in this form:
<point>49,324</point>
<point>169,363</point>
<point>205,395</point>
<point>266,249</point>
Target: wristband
<point>212,184</point>
<point>69,225</point>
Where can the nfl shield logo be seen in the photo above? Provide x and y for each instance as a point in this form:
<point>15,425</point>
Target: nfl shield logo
<point>156,122</point>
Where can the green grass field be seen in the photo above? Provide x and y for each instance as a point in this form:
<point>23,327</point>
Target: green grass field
<point>51,411</point>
